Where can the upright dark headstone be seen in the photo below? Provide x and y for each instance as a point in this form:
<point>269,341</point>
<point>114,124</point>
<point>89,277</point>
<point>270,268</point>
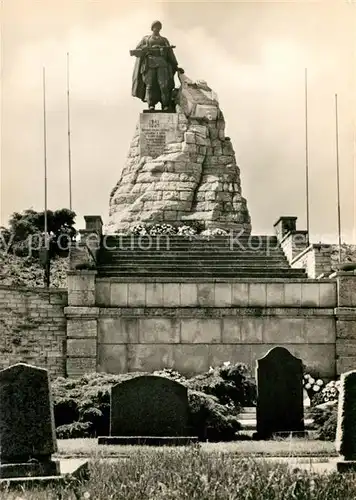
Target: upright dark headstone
<point>27,432</point>
<point>280,394</point>
<point>149,410</point>
<point>346,423</point>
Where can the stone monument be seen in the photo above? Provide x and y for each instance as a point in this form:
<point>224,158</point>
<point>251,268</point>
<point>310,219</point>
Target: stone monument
<point>180,166</point>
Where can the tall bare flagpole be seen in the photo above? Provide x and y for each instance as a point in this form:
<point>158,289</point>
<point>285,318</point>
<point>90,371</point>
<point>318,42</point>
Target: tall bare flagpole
<point>45,252</point>
<point>45,155</point>
<point>306,153</point>
<point>338,176</point>
<point>69,138</point>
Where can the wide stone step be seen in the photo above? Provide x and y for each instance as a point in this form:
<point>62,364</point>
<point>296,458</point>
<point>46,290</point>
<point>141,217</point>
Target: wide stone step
<point>247,418</point>
<point>247,273</point>
<point>193,251</point>
<point>172,264</point>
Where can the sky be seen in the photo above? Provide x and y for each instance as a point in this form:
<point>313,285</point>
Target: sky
<point>253,55</point>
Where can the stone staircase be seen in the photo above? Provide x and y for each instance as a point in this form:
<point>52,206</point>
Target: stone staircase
<point>191,257</point>
<point>247,419</point>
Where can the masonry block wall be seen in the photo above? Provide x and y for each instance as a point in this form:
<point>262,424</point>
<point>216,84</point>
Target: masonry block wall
<point>190,326</point>
<point>33,328</point>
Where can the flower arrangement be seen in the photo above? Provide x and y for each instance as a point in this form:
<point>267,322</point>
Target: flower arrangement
<point>186,231</point>
<point>214,232</point>
<point>331,391</point>
<point>312,385</point>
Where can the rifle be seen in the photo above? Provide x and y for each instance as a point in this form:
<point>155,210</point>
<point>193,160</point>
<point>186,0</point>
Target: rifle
<point>154,51</point>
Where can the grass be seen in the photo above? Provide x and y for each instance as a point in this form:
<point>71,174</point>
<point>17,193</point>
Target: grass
<point>278,448</point>
<point>195,474</point>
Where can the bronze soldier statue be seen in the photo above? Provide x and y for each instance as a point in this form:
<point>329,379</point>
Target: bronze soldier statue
<point>155,67</point>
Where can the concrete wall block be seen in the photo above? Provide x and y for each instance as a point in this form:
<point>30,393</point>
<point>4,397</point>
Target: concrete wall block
<point>136,294</point>
<point>82,328</point>
<point>81,347</point>
<point>171,294</point>
<point>119,295</point>
<point>120,330</point>
<point>345,364</point>
<point>257,295</point>
<point>76,367</point>
<point>310,295</point>
<point>188,295</point>
<point>251,329</point>
<point>346,289</point>
<point>223,294</point>
<point>275,294</point>
<point>159,330</point>
<point>149,357</point>
<point>190,359</point>
<point>320,330</point>
<point>200,331</point>
<point>345,330</point>
<point>112,358</point>
<point>81,282</point>
<point>206,294</point>
<point>283,330</point>
<point>327,295</point>
<point>102,293</point>
<point>154,295</point>
<point>81,298</point>
<point>239,294</point>
<point>292,294</point>
<point>346,349</point>
<point>231,330</point>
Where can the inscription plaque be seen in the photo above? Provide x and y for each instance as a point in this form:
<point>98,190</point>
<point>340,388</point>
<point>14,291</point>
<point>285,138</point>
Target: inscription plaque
<point>157,130</point>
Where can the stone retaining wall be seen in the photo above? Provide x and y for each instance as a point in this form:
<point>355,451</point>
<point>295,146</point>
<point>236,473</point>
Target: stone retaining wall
<point>33,328</point>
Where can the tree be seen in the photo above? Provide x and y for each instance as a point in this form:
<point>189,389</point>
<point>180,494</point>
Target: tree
<point>28,228</point>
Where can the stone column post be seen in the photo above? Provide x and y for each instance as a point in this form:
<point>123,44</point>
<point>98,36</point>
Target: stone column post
<point>346,322</point>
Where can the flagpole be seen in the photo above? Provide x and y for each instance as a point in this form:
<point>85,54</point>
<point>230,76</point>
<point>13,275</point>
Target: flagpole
<point>69,138</point>
<point>338,176</point>
<point>306,154</point>
<point>45,155</point>
<point>46,251</point>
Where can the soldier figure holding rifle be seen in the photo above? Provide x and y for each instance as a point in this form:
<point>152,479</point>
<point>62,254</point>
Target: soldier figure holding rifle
<point>155,67</point>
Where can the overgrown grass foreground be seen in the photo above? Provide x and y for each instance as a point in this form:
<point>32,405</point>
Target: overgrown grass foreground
<point>193,474</point>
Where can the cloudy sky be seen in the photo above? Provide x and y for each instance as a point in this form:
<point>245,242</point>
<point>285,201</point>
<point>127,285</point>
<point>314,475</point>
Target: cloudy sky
<point>253,54</point>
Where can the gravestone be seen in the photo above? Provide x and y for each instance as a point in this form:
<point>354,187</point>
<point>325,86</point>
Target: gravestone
<point>346,423</point>
<point>148,409</point>
<point>27,432</point>
<point>279,394</point>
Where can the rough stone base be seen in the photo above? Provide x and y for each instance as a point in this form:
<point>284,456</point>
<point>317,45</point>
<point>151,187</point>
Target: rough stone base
<point>30,469</point>
<point>77,468</point>
<point>346,465</point>
<point>148,440</point>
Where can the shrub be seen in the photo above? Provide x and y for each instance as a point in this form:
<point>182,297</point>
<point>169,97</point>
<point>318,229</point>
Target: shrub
<point>325,422</point>
<point>210,419</point>
<point>229,383</point>
<point>82,406</point>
